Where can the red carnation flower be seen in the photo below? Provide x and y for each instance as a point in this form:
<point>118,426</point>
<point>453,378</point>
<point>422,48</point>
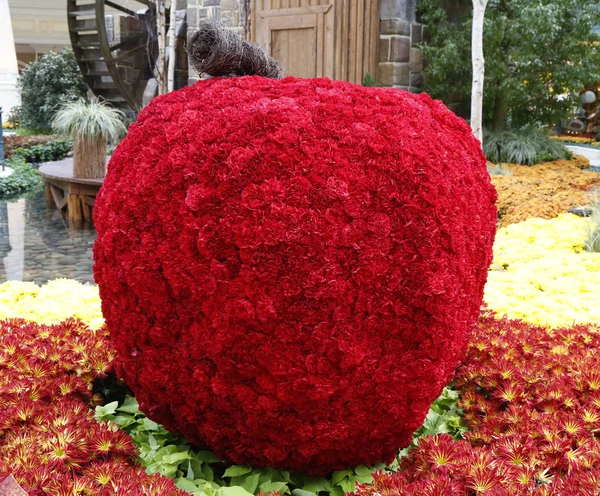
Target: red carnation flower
<point>290,269</point>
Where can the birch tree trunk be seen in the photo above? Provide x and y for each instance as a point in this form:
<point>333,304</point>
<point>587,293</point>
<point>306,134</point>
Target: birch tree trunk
<point>172,43</point>
<point>478,68</point>
<point>162,46</point>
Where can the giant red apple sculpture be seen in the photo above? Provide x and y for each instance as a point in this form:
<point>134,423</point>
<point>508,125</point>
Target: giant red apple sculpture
<point>290,269</point>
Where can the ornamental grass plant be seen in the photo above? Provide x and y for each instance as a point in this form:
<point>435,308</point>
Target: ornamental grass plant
<point>527,146</point>
<point>91,125</point>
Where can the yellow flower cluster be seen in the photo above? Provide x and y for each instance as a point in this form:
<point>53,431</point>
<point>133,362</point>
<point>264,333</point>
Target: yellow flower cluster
<point>576,139</point>
<point>53,302</point>
<point>541,273</point>
<point>8,125</point>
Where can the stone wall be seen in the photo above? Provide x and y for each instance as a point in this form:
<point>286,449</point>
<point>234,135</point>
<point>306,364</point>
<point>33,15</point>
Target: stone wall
<point>400,59</point>
<point>229,12</point>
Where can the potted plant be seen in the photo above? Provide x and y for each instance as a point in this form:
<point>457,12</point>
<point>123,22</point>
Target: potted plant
<point>91,125</point>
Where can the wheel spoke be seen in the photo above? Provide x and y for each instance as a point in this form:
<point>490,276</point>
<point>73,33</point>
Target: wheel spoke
<point>121,8</point>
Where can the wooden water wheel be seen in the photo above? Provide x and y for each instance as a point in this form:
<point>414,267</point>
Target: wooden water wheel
<point>115,45</point>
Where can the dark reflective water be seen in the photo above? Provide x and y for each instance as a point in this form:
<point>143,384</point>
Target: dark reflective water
<point>37,245</point>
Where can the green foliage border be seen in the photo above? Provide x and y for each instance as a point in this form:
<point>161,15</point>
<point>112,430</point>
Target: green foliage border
<point>203,474</point>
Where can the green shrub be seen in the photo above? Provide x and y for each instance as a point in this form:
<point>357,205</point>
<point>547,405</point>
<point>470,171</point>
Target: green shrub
<point>526,146</point>
<point>24,178</point>
<point>47,83</point>
<point>369,80</point>
<point>54,150</point>
<point>36,149</point>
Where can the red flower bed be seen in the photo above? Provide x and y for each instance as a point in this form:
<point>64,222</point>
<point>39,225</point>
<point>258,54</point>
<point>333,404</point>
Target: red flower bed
<point>49,439</point>
<point>12,141</point>
<point>291,270</point>
<point>532,400</point>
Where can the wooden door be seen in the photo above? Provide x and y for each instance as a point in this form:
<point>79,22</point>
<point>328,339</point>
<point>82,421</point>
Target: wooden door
<point>319,38</point>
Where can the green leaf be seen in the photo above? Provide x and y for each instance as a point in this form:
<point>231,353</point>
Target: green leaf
<point>206,457</point>
<point>362,470</point>
<point>190,471</point>
<point>317,484</point>
<point>186,485</point>
<point>196,467</point>
<point>149,425</point>
<point>233,491</point>
<point>130,405</point>
<point>302,492</point>
<point>368,80</point>
<point>339,491</point>
<point>364,479</point>
<point>161,468</point>
<point>124,421</point>
<point>207,472</point>
<point>104,411</point>
<point>251,483</point>
<point>340,475</point>
<point>238,480</point>
<point>285,475</point>
<point>271,475</point>
<point>177,458</point>
<point>347,486</point>
<point>152,442</point>
<point>237,470</point>
<point>275,487</point>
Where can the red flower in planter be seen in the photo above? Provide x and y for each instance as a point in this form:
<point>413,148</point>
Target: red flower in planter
<point>290,270</point>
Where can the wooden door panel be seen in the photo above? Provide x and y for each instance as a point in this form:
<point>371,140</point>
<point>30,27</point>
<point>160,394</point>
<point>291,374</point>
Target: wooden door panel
<point>319,38</point>
<point>296,51</point>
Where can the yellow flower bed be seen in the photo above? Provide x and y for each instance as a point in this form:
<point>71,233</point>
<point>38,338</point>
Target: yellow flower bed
<point>53,302</point>
<point>542,274</point>
<point>575,139</point>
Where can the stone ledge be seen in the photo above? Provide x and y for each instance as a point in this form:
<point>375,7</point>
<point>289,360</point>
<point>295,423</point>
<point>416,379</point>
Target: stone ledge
<point>394,26</point>
<point>393,74</point>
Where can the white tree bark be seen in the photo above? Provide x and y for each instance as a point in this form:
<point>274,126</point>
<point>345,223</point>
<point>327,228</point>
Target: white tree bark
<point>478,68</point>
<point>162,46</point>
<point>172,35</point>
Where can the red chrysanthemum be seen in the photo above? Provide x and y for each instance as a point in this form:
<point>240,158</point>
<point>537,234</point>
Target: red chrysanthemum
<point>290,269</point>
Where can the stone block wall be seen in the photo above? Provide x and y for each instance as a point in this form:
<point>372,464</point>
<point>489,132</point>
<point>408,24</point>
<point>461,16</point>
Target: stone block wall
<point>229,12</point>
<point>400,58</point>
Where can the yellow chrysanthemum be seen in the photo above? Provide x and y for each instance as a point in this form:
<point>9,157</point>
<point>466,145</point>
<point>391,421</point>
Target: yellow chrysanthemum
<point>53,302</point>
<point>542,274</point>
